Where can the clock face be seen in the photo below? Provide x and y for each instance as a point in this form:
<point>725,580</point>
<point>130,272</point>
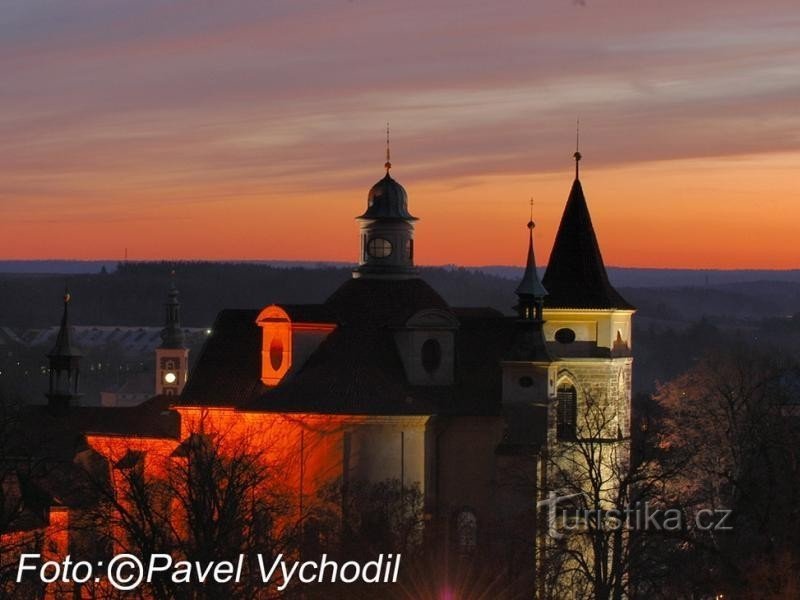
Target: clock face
<point>170,378</point>
<point>379,248</point>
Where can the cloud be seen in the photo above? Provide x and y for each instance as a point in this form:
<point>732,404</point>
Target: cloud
<point>141,103</point>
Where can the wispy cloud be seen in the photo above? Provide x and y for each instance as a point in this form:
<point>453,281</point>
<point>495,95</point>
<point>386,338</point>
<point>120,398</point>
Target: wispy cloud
<point>107,108</point>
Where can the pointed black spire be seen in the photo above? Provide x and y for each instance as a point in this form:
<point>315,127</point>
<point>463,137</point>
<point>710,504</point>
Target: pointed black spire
<point>63,346</point>
<point>64,365</point>
<point>172,334</point>
<point>530,290</point>
<point>576,275</point>
<point>529,342</point>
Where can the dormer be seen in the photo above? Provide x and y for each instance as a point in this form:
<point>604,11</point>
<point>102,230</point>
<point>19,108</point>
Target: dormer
<point>276,344</point>
<point>426,345</point>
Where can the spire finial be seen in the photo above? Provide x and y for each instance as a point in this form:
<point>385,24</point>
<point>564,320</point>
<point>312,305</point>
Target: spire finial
<point>67,295</point>
<point>577,156</point>
<point>388,164</point>
<point>531,224</point>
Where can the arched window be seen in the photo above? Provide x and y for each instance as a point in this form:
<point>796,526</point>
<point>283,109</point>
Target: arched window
<point>276,344</point>
<point>431,355</point>
<point>567,407</point>
<point>466,531</point>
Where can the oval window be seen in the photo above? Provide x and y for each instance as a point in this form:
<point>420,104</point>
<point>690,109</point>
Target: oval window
<point>565,336</point>
<point>379,247</point>
<point>431,355</point>
<point>525,381</point>
<point>276,353</point>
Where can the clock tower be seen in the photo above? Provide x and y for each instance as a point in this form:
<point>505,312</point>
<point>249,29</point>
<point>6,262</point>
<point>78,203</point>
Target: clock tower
<point>172,357</point>
<point>387,231</point>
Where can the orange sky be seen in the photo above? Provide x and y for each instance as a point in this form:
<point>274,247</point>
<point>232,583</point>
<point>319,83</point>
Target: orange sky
<point>255,132</point>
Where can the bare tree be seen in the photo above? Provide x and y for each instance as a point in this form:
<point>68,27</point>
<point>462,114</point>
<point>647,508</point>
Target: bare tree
<point>595,547</point>
<point>731,423</point>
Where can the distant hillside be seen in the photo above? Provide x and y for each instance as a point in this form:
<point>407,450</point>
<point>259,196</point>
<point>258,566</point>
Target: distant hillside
<point>633,277</point>
<point>133,293</point>
<point>620,276</point>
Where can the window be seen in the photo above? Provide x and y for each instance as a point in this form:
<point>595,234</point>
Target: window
<point>276,353</point>
<point>567,408</point>
<point>565,336</point>
<point>410,249</point>
<point>431,355</point>
<point>276,344</point>
<point>379,248</point>
<point>466,531</point>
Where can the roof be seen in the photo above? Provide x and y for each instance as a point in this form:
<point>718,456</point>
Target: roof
<point>387,199</point>
<point>63,347</point>
<point>357,368</point>
<point>576,276</point>
<point>530,284</point>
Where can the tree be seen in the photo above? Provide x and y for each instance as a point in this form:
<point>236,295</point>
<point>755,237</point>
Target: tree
<point>729,422</point>
<point>206,501</point>
<point>596,546</point>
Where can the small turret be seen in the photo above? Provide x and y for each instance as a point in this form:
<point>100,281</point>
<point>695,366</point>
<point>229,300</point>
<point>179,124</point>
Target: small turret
<point>64,366</point>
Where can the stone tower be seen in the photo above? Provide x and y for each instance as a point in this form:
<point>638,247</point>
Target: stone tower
<point>587,325</point>
<point>172,357</point>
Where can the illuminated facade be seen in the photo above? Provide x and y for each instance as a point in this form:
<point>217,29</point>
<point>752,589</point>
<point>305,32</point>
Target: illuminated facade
<point>386,381</point>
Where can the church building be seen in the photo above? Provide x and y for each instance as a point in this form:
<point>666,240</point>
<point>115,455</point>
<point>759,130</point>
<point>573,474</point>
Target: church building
<point>385,381</point>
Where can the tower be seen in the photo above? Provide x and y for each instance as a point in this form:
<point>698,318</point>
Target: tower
<point>528,365</point>
<point>172,357</point>
<point>387,230</point>
<point>64,366</point>
<point>588,323</point>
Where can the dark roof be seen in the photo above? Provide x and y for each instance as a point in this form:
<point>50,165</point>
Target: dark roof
<point>530,284</point>
<point>63,347</point>
<point>357,368</point>
<point>576,276</point>
<point>387,199</point>
<point>229,363</point>
<point>58,435</point>
<point>369,302</point>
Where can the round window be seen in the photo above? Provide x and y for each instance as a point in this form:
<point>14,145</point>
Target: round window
<point>525,381</point>
<point>276,353</point>
<point>565,336</point>
<point>431,355</point>
<point>379,248</point>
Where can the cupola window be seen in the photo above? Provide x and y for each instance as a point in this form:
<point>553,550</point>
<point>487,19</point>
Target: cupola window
<point>276,353</point>
<point>379,248</point>
<point>431,355</point>
<point>276,344</point>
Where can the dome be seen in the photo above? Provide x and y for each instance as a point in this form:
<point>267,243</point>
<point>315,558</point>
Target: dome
<point>387,199</point>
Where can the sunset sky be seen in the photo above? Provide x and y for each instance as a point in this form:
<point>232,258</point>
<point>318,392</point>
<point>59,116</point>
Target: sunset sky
<point>253,129</point>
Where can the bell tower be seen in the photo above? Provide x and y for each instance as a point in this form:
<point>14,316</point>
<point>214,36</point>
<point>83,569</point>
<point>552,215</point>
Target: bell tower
<point>172,357</point>
<point>387,230</point>
<point>588,325</point>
